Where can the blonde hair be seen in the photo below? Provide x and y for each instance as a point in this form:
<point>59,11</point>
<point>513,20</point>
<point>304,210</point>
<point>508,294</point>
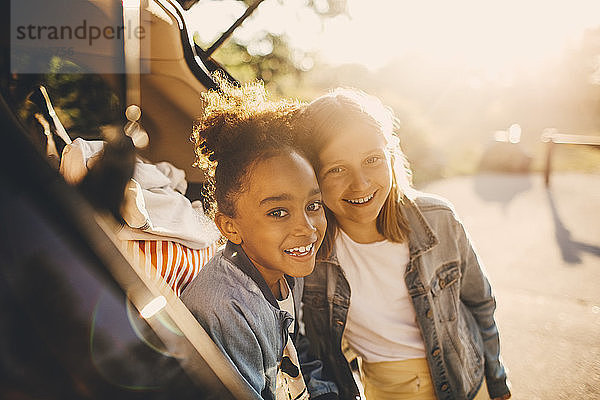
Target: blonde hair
<point>328,116</point>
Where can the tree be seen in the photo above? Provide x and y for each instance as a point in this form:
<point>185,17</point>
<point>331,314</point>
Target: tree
<point>265,52</point>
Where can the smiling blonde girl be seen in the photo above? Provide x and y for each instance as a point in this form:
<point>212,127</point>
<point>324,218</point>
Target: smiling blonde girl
<point>397,281</point>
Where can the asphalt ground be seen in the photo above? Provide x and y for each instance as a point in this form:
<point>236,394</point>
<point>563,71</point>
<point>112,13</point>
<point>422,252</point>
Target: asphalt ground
<point>541,250</point>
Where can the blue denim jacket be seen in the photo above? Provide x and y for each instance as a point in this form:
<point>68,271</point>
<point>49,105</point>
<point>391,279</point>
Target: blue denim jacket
<point>451,295</point>
<point>233,303</point>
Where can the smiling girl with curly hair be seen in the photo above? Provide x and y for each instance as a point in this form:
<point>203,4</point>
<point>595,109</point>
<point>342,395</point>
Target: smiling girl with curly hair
<point>268,207</point>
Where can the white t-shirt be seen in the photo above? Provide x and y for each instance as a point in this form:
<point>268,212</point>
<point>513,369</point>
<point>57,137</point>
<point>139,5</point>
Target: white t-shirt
<point>287,302</point>
<point>381,323</point>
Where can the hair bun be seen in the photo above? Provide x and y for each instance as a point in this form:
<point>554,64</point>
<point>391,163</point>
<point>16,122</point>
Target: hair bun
<point>239,124</point>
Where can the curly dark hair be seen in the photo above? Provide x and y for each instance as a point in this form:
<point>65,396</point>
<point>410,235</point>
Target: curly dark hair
<point>240,125</point>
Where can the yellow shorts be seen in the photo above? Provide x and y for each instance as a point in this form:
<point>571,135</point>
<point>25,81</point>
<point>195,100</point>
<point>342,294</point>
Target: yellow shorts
<point>407,379</point>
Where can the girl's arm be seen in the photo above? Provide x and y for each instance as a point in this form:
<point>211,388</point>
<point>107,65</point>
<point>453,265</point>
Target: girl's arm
<point>229,329</point>
<point>476,294</point>
<point>232,333</point>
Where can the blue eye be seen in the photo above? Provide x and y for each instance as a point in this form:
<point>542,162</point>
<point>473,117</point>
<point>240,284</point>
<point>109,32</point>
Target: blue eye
<point>335,170</point>
<point>279,213</point>
<point>315,206</point>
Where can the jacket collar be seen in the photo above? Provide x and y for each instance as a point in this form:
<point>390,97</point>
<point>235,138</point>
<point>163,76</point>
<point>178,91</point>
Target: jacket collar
<point>236,255</point>
<point>420,238</point>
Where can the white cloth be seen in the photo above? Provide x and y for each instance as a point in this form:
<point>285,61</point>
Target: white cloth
<point>381,323</point>
<point>287,302</point>
<point>154,207</point>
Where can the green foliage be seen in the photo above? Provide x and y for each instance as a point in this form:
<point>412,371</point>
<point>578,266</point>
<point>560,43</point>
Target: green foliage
<point>268,56</point>
<point>273,68</point>
<point>83,102</point>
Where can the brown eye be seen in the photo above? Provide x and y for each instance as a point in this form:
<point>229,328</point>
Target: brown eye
<point>315,206</point>
<point>278,213</point>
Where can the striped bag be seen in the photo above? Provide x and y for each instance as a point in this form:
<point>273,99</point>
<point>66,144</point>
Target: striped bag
<point>172,262</point>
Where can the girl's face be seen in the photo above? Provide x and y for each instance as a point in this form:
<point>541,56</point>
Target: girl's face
<point>355,177</point>
<point>280,219</point>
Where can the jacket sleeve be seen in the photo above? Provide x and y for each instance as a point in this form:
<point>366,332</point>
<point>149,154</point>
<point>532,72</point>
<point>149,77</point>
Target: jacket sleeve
<point>231,332</point>
<point>476,294</point>
<point>312,370</point>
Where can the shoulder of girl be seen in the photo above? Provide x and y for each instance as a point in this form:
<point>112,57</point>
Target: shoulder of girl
<point>430,201</point>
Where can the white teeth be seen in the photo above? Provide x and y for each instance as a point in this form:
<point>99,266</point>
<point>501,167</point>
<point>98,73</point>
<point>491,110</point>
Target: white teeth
<point>361,200</point>
<point>300,251</point>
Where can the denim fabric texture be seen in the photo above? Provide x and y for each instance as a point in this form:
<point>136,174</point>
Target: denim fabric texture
<point>451,296</point>
<point>233,303</point>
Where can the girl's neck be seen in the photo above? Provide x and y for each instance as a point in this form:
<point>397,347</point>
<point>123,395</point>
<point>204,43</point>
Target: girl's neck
<point>272,279</point>
<point>276,288</point>
<point>362,233</point>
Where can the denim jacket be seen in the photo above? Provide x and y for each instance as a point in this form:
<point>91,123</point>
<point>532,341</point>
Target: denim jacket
<point>233,303</point>
<point>451,296</point>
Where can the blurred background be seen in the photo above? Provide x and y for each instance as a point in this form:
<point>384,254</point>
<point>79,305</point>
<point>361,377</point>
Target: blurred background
<point>455,73</point>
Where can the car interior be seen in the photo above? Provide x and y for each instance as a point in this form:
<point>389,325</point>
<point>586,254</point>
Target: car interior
<point>84,315</point>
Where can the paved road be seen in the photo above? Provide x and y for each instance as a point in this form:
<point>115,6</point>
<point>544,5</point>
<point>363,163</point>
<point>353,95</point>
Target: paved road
<point>541,249</point>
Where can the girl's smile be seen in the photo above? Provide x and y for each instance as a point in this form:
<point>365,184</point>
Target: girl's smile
<point>301,251</point>
<point>361,200</point>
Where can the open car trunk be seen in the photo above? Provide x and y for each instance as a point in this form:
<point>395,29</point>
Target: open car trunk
<point>79,318</point>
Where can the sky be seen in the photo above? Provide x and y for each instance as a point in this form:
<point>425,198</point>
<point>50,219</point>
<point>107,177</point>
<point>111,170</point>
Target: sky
<point>490,35</point>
